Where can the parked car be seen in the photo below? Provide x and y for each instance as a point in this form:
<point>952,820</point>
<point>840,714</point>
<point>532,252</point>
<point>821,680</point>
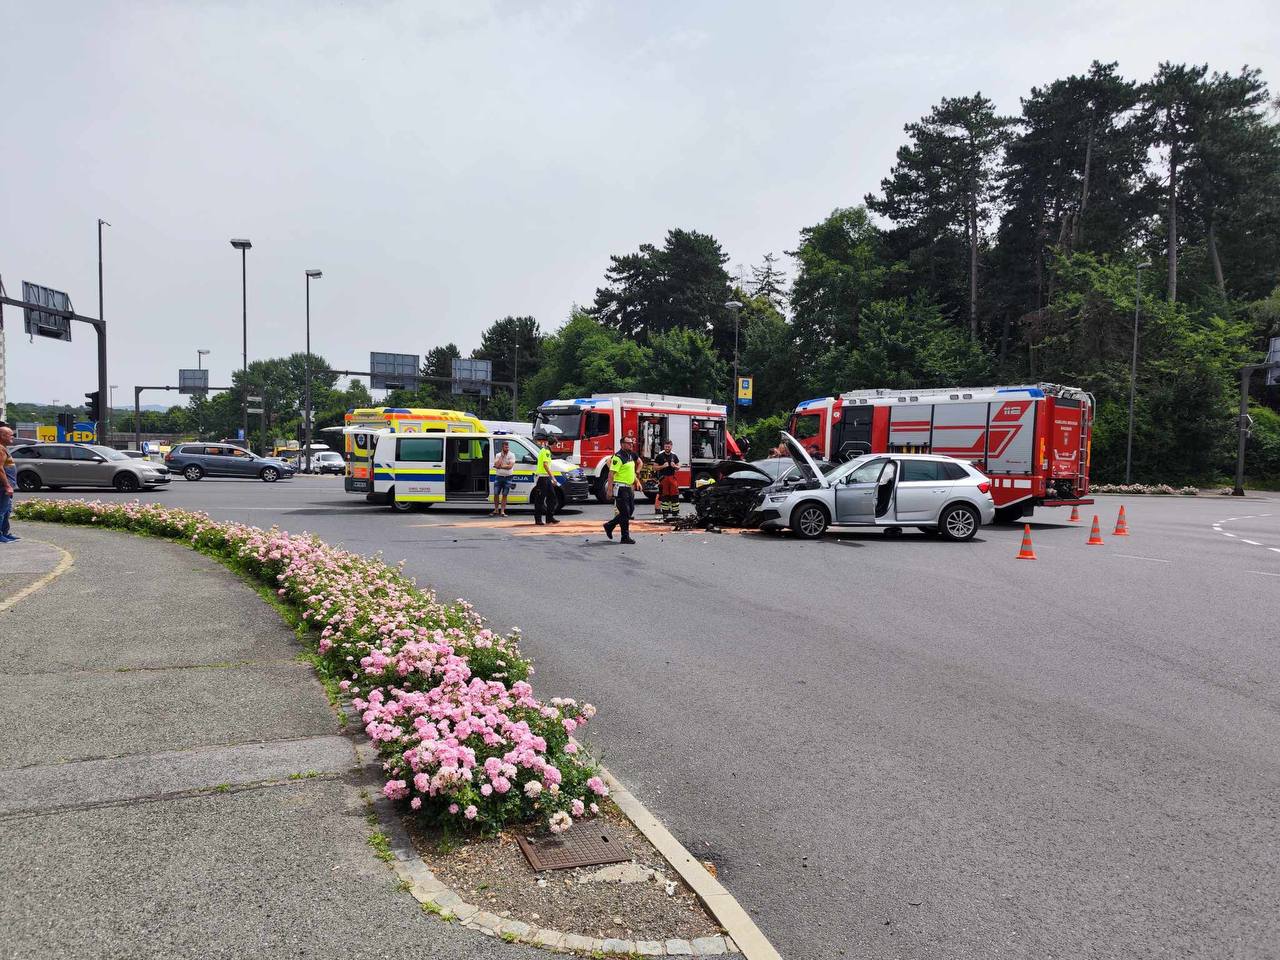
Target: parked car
<point>195,461</point>
<point>58,465</point>
<point>938,495</point>
<point>739,487</point>
<point>328,461</point>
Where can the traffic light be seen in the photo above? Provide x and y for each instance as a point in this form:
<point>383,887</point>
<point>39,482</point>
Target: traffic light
<point>93,406</point>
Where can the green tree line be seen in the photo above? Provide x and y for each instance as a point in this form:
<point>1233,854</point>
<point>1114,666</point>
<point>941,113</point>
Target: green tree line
<point>997,249</point>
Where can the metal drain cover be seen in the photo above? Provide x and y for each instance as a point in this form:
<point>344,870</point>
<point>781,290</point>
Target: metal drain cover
<point>582,845</point>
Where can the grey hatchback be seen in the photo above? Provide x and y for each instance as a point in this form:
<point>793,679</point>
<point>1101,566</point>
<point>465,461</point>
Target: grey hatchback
<point>57,465</point>
<point>196,461</point>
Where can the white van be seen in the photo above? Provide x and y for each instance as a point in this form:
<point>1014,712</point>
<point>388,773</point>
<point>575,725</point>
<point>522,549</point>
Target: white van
<point>415,470</point>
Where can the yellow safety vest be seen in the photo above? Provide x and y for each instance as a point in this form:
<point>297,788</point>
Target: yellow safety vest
<point>624,471</point>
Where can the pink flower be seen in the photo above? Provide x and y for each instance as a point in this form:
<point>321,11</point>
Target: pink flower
<point>416,803</point>
<point>485,789</point>
<point>560,822</point>
<point>577,808</point>
<point>453,808</point>
<point>596,786</point>
<point>470,812</point>
<point>532,788</point>
<point>395,789</point>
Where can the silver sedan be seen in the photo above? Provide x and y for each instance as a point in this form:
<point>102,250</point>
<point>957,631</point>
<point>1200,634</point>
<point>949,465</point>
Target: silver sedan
<point>939,495</point>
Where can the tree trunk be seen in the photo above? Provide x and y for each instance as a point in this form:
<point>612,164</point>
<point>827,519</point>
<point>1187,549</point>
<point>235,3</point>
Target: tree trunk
<point>1173,221</point>
<point>973,267</point>
<point>1213,255</point>
<point>1078,232</point>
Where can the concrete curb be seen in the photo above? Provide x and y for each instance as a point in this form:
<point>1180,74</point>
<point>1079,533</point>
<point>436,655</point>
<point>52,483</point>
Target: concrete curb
<point>434,895</point>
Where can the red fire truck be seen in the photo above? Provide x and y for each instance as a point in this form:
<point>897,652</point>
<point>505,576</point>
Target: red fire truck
<point>1033,441</point>
<point>588,431</point>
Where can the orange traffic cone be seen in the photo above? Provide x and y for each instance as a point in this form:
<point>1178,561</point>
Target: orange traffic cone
<point>1095,535</point>
<point>1026,553</point>
<point>1122,528</point>
<point>1075,515</point>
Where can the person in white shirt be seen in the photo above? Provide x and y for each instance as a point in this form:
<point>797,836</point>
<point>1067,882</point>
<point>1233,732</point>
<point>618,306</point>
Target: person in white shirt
<point>503,464</point>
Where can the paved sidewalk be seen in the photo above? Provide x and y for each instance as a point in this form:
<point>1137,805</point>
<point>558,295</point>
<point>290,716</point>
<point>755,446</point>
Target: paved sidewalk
<point>155,711</point>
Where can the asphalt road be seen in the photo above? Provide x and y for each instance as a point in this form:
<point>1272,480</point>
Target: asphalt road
<point>904,748</point>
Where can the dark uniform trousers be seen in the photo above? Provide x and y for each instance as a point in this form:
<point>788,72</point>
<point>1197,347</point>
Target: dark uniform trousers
<point>624,501</point>
<point>544,499</point>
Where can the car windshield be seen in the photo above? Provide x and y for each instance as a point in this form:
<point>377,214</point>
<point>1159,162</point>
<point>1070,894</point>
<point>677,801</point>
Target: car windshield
<point>840,470</point>
<point>111,454</point>
<point>567,423</point>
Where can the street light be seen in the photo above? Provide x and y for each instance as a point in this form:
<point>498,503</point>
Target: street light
<point>1133,367</point>
<point>306,390</point>
<point>200,355</point>
<point>736,307</point>
<point>242,246</point>
<point>112,395</point>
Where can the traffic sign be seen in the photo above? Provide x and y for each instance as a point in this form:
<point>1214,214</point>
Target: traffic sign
<point>254,410</point>
<point>745,386</point>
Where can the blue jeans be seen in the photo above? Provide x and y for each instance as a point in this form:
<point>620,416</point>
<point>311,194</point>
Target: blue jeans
<point>6,504</point>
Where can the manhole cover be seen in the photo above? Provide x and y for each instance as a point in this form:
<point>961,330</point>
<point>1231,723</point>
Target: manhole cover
<point>582,845</point>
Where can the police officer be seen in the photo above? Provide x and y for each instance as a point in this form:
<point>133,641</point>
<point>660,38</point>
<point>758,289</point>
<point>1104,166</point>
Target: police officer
<point>623,484</point>
<point>544,485</point>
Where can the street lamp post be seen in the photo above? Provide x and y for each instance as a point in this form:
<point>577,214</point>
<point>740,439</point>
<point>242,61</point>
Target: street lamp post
<point>306,388</point>
<point>200,355</point>
<point>736,307</point>
<point>105,426</point>
<point>111,403</point>
<point>1133,368</point>
<point>242,246</point>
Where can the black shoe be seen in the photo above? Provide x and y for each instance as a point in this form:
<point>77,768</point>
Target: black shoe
<point>627,540</point>
<point>537,522</point>
<point>608,530</point>
<point>552,520</point>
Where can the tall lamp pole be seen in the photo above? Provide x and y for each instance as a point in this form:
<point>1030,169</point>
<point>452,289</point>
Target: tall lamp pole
<point>736,307</point>
<point>1133,368</point>
<point>242,246</point>
<point>200,355</point>
<point>306,389</point>
<point>105,427</point>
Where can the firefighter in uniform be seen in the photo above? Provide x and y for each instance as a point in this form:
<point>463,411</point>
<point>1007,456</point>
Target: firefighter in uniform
<point>667,502</point>
<point>623,483</point>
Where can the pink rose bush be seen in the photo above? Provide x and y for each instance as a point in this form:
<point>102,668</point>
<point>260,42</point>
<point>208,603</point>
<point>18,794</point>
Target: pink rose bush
<point>445,700</point>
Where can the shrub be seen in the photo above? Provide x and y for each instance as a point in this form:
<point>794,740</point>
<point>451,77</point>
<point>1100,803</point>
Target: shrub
<point>446,701</point>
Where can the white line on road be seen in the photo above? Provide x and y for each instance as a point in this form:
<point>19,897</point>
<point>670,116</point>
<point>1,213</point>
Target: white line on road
<point>1274,549</point>
<point>1225,534</point>
<point>1253,543</point>
<point>1132,556</point>
<point>1263,573</point>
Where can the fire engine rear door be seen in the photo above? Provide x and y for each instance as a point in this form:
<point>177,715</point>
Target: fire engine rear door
<point>1011,436</point>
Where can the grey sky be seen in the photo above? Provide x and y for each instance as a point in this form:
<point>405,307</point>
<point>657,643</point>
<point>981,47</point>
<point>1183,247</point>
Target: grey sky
<point>447,163</point>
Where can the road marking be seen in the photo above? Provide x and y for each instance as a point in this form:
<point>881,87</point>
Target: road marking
<point>1217,528</point>
<point>1253,543</point>
<point>1274,549</point>
<point>1225,534</point>
<point>64,564</point>
<point>1132,556</point>
<point>1263,573</point>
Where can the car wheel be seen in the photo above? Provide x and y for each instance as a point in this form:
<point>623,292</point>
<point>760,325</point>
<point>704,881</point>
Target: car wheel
<point>931,531</point>
<point>809,520</point>
<point>402,506</point>
<point>192,471</point>
<point>29,481</point>
<point>269,474</point>
<point>959,522</point>
<point>126,482</point>
<point>600,492</point>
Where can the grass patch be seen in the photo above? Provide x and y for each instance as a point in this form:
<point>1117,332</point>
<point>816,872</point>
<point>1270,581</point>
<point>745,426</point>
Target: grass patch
<point>381,844</point>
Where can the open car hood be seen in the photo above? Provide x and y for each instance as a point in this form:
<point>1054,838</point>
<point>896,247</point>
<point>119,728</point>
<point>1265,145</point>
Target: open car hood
<point>737,466</point>
<point>805,462</point>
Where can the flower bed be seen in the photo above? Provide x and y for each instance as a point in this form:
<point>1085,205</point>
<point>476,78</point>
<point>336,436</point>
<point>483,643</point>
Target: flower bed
<point>446,701</point>
<point>1145,489</point>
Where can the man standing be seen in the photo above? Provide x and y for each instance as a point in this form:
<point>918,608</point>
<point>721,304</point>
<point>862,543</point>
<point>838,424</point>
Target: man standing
<point>8,481</point>
<point>667,502</point>
<point>503,464</point>
<point>544,485</point>
<point>623,484</point>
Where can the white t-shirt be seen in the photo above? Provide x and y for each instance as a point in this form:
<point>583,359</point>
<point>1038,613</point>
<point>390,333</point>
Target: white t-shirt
<point>503,464</point>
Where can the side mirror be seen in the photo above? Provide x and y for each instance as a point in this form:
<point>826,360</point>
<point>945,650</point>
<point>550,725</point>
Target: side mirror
<point>98,459</point>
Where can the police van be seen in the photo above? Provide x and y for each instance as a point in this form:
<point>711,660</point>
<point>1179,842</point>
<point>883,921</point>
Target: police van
<point>415,470</point>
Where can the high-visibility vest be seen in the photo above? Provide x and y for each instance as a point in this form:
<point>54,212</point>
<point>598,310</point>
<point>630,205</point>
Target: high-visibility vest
<point>624,471</point>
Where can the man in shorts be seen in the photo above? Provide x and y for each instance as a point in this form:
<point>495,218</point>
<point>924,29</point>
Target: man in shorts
<point>503,465</point>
